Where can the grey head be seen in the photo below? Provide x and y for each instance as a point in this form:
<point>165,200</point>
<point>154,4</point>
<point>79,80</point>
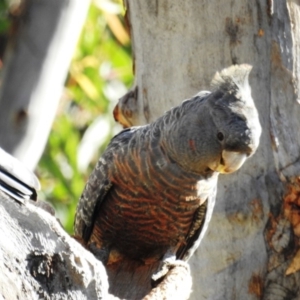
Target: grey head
<point>217,130</point>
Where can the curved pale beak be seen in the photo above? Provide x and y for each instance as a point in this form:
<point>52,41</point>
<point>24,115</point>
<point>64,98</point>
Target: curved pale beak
<point>231,161</point>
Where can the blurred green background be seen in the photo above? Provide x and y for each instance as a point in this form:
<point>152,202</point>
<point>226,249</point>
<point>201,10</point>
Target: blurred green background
<point>100,73</point>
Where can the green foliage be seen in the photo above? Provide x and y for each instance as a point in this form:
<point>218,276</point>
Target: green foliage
<point>101,68</point>
<point>4,19</point>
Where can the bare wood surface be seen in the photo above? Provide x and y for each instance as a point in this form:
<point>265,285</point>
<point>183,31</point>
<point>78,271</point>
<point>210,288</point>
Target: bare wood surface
<point>39,260</point>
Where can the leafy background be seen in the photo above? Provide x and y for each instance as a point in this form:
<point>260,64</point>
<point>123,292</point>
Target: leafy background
<point>100,73</point>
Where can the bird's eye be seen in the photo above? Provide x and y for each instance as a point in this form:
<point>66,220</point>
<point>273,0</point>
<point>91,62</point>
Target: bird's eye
<point>220,136</point>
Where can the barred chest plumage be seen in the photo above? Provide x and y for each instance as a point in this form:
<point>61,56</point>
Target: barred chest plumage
<point>152,204</point>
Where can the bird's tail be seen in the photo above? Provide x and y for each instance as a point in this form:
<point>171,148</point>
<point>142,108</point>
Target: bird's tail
<point>233,80</point>
<point>130,279</point>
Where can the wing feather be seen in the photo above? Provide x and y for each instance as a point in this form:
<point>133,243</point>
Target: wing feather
<point>198,228</point>
<point>98,186</point>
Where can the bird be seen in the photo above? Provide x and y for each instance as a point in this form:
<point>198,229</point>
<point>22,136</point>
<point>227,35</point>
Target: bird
<point>148,202</point>
<point>16,180</point>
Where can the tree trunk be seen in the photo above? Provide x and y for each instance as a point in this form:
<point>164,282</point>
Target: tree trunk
<point>251,250</point>
<point>35,67</point>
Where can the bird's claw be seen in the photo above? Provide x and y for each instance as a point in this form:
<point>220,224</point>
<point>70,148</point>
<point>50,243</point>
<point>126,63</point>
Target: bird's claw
<point>167,265</point>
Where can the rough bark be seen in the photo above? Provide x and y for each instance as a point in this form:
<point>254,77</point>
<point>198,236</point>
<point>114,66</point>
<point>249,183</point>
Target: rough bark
<point>251,250</point>
<point>39,260</point>
<point>35,67</point>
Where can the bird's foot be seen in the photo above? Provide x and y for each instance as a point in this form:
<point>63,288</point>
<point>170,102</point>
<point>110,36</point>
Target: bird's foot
<point>100,253</point>
<point>168,264</point>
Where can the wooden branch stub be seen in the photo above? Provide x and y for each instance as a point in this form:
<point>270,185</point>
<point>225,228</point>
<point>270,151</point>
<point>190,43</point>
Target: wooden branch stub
<point>176,285</point>
<point>38,259</point>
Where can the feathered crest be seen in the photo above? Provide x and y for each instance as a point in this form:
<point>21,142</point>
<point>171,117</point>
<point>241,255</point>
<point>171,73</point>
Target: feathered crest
<point>232,80</point>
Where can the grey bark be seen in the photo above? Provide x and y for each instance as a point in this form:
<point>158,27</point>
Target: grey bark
<point>252,239</point>
<point>39,260</point>
<point>35,67</point>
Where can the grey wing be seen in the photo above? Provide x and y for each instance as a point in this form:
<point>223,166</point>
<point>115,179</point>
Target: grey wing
<point>98,186</point>
<point>93,195</point>
<point>198,228</point>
